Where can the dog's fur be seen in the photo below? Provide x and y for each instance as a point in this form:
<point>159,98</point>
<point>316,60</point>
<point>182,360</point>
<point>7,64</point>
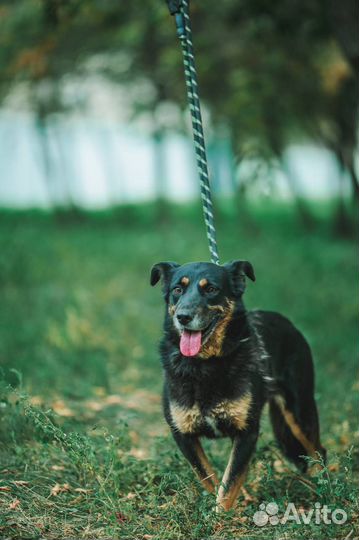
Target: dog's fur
<point>246,359</point>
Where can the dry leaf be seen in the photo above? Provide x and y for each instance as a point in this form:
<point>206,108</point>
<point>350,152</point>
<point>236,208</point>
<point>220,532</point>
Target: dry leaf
<point>55,490</point>
<point>344,439</point>
<point>81,490</point>
<point>114,400</point>
<point>14,504</point>
<point>165,505</point>
<point>36,400</point>
<point>59,488</point>
<point>100,391</point>
<point>94,405</point>
<point>62,409</point>
<point>279,466</point>
<point>5,488</point>
<point>134,437</point>
<point>138,453</point>
<point>21,483</point>
<point>76,500</point>
<point>57,467</point>
<point>131,495</point>
<point>121,518</point>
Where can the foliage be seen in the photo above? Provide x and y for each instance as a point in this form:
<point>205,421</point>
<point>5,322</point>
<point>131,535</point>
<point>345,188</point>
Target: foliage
<point>84,449</point>
<point>278,73</point>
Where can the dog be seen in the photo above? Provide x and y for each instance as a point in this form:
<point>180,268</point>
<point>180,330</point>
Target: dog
<point>223,363</point>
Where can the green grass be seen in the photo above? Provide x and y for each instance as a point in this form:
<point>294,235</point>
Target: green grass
<point>86,453</point>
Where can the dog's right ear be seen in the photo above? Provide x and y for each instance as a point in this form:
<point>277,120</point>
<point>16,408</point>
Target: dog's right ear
<point>162,270</point>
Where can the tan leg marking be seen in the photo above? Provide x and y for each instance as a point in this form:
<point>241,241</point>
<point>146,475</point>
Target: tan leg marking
<point>295,427</point>
<point>228,499</point>
<point>235,411</point>
<point>227,495</point>
<point>186,420</point>
<point>213,347</point>
<point>210,481</point>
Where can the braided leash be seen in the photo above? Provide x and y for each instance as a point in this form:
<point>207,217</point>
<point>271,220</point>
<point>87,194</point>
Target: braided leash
<point>180,9</point>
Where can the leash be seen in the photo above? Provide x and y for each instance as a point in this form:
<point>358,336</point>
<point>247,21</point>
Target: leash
<point>180,10</point>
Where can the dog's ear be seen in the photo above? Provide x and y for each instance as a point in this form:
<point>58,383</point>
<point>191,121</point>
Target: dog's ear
<point>162,270</point>
<point>237,271</point>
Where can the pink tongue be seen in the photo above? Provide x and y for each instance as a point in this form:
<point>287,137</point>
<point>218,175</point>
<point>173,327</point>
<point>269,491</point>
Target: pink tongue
<point>190,343</point>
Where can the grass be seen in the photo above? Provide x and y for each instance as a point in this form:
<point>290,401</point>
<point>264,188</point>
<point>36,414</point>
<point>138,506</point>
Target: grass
<point>84,450</point>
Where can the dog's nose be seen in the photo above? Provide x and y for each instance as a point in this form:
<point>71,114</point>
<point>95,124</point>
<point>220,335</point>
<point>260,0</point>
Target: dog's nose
<point>184,318</point>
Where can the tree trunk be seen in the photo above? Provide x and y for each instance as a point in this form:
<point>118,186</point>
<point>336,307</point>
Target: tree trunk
<point>305,215</point>
<point>343,224</point>
<point>159,171</point>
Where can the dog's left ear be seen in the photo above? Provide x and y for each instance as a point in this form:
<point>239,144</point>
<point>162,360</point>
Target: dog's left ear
<point>162,270</point>
<point>237,271</point>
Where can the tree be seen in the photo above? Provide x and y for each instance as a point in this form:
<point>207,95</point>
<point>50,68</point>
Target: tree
<point>270,72</point>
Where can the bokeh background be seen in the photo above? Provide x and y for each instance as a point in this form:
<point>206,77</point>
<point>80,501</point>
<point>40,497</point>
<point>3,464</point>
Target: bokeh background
<point>98,182</point>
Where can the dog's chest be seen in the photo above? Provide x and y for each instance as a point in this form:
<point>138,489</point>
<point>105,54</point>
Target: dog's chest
<point>214,420</point>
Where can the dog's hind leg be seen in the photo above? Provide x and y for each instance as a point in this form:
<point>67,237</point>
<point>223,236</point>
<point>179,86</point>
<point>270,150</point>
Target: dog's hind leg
<point>192,450</point>
<point>296,427</point>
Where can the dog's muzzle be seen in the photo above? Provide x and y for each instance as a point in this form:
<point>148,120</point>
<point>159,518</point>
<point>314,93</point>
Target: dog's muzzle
<point>194,331</point>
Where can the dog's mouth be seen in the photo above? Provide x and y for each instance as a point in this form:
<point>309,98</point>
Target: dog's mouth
<point>191,341</point>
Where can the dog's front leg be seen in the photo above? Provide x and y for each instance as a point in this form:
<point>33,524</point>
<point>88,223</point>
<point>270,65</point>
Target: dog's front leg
<point>243,446</point>
<point>192,450</point>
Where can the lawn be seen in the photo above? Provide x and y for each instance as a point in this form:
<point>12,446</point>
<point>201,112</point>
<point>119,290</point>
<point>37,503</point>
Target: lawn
<point>84,451</point>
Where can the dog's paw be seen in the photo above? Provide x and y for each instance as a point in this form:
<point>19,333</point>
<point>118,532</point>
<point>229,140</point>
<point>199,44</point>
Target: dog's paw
<point>223,505</point>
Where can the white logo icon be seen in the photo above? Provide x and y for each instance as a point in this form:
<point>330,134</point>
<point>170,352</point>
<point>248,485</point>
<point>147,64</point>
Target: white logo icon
<point>268,515</point>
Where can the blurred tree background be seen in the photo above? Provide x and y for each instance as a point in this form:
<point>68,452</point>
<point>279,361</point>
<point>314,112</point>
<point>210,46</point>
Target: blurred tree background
<point>271,74</point>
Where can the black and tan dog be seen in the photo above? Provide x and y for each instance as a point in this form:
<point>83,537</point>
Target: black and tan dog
<point>222,363</point>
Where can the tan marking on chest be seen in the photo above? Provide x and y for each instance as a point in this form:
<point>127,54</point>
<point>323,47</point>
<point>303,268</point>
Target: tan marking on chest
<point>187,420</point>
<point>236,411</point>
<point>213,347</point>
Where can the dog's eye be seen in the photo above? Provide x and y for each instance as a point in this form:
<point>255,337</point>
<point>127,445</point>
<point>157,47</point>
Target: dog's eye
<point>177,290</point>
<point>211,289</point>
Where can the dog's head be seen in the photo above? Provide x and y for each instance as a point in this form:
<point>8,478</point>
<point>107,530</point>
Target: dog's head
<point>201,299</point>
